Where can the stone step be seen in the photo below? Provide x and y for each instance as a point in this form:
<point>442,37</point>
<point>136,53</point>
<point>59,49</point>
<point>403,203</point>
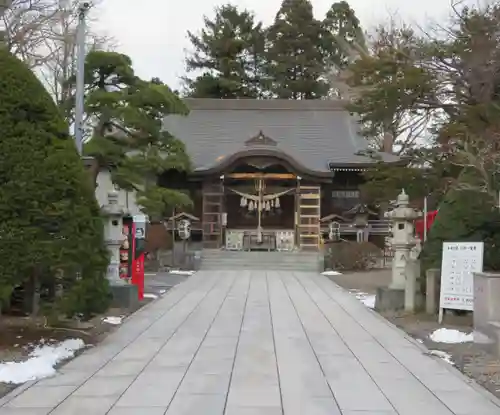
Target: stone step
<point>255,260</point>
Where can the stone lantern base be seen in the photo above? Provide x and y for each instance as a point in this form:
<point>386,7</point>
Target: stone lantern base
<point>389,299</point>
<point>125,296</point>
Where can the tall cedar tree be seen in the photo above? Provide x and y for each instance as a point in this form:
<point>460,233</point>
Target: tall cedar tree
<point>341,21</point>
<point>230,52</point>
<point>127,115</point>
<point>296,58</point>
<point>51,231</point>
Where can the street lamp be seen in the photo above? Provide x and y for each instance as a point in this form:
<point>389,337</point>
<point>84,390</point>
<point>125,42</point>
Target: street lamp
<point>80,76</point>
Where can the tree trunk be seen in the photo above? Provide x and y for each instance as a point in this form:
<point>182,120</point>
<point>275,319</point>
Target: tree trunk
<point>36,287</point>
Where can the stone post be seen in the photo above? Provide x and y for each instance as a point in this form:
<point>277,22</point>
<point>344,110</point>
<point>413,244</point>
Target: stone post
<point>433,277</point>
<point>113,237</point>
<point>412,272</point>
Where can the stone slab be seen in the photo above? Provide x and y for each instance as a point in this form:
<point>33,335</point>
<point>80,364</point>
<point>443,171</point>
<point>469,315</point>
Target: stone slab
<point>255,342</point>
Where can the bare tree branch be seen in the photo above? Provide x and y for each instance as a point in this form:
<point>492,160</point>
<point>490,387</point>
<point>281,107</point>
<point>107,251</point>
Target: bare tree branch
<point>43,34</point>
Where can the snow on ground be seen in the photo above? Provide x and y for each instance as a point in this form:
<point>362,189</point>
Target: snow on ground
<point>114,320</point>
<point>367,299</point>
<point>181,272</point>
<point>150,295</point>
<point>330,273</point>
<point>450,336</point>
<point>443,355</point>
<point>41,362</point>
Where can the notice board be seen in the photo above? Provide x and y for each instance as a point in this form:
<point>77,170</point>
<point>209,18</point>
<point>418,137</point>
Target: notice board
<point>459,261</point>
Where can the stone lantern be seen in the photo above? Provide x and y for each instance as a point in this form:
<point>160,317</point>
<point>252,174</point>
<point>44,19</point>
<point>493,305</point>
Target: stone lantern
<point>113,236</point>
<point>403,241</point>
<point>360,215</point>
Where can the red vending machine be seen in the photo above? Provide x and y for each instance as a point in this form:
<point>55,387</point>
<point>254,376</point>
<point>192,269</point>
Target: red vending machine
<point>139,227</point>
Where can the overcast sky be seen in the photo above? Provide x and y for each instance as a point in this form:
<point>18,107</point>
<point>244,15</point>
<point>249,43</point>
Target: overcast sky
<point>153,32</point>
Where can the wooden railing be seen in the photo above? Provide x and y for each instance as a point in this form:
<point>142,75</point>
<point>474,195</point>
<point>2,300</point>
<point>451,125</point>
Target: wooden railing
<point>375,227</point>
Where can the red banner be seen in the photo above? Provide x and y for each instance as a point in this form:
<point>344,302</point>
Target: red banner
<point>419,224</point>
<point>138,274</point>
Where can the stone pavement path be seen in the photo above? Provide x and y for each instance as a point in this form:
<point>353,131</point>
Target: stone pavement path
<point>254,342</point>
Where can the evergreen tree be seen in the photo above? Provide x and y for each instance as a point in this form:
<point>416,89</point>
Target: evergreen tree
<point>51,232</point>
<point>229,51</point>
<point>127,115</point>
<point>465,215</point>
<point>341,22</point>
<point>296,52</point>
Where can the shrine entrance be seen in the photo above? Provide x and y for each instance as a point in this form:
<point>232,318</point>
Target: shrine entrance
<point>261,202</point>
<point>260,211</point>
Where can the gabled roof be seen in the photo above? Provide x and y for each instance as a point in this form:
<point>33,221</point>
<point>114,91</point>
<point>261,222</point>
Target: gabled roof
<point>317,134</point>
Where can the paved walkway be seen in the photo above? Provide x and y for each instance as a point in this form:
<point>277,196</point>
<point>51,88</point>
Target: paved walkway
<point>245,343</point>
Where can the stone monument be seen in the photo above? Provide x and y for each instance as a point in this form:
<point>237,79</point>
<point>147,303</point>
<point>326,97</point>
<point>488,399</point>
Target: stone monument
<point>124,294</point>
<point>402,290</point>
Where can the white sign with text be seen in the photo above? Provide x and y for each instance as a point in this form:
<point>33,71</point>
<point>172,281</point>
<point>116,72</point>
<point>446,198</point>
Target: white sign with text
<point>460,260</point>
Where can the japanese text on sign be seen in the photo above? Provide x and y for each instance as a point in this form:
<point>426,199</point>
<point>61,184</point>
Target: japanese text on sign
<point>460,260</point>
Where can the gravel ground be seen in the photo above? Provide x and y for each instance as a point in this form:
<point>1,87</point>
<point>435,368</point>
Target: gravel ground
<point>470,358</point>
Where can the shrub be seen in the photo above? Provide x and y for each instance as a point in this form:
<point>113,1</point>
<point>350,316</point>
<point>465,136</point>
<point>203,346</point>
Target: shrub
<point>464,216</point>
<point>49,218</point>
<point>352,256</point>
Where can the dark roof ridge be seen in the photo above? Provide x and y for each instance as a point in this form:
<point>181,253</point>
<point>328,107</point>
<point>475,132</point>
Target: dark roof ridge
<point>251,104</point>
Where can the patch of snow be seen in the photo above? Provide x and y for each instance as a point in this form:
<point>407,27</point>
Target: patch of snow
<point>150,295</point>
<point>114,320</point>
<point>481,338</point>
<point>450,336</point>
<point>163,291</point>
<point>330,273</point>
<point>367,299</point>
<point>443,355</point>
<point>181,272</point>
<point>41,362</point>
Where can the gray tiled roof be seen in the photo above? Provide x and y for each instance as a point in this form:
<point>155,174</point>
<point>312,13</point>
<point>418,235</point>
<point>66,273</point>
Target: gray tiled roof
<point>315,133</point>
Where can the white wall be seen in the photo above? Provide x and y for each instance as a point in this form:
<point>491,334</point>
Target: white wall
<point>126,199</point>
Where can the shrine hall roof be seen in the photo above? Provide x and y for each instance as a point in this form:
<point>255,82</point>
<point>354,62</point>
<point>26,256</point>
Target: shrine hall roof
<point>318,134</point>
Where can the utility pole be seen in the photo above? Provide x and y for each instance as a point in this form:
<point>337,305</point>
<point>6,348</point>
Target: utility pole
<point>4,5</point>
<point>80,76</point>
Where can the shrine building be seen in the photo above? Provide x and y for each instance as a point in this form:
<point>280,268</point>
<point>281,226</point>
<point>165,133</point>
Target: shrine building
<point>265,172</point>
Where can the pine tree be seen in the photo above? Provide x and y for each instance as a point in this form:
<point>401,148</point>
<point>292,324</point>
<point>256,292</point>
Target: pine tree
<point>229,51</point>
<point>127,115</point>
<point>296,52</point>
<point>51,232</point>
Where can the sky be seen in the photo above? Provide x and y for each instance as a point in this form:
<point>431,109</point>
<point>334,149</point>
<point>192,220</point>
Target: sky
<point>153,32</point>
